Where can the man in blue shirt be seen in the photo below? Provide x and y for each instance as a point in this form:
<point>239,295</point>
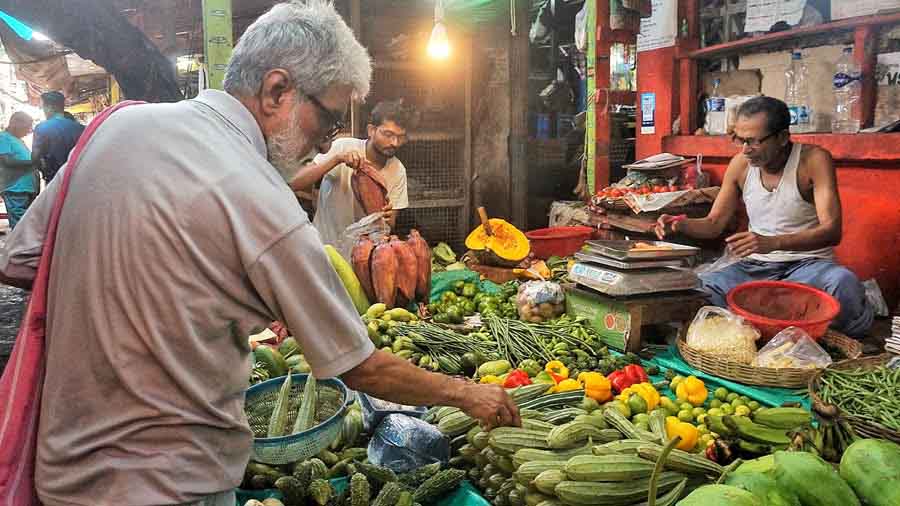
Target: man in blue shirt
<point>19,181</point>
<point>54,138</point>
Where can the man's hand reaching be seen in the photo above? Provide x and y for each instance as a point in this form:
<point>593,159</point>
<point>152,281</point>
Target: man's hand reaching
<point>490,405</point>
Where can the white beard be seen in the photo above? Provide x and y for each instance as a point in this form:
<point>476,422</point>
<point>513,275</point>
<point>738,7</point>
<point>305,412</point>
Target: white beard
<point>289,149</point>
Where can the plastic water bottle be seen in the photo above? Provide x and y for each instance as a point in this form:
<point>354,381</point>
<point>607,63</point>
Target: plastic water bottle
<point>846,83</point>
<point>797,94</point>
<point>716,123</point>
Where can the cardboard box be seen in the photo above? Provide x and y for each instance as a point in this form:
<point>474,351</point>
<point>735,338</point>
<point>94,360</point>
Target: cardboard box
<point>820,63</point>
<point>841,9</point>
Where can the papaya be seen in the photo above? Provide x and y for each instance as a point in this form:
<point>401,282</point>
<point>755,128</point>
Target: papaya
<point>764,464</point>
<point>872,468</point>
<point>814,481</point>
<point>764,487</point>
<point>720,495</point>
<point>349,279</point>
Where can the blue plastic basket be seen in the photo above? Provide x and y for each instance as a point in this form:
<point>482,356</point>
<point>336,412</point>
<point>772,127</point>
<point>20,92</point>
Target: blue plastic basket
<point>303,445</point>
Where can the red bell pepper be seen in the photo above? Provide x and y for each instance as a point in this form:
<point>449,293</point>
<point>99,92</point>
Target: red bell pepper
<point>619,381</point>
<point>517,378</point>
<point>627,376</point>
<point>636,373</point>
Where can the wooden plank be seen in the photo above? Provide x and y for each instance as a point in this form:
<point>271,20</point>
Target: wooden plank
<point>688,72</point>
<point>518,130</point>
<point>738,46</point>
<point>843,147</point>
<point>602,100</point>
<point>864,43</point>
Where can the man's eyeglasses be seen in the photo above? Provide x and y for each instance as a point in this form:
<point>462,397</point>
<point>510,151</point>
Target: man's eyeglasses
<point>392,136</point>
<point>753,143</point>
<point>336,124</point>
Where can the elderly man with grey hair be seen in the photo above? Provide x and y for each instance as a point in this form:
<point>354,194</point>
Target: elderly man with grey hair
<point>179,237</point>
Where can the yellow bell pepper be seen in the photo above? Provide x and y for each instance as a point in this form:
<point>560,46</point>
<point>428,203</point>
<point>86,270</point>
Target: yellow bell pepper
<point>688,433</point>
<point>557,370</point>
<point>645,391</point>
<point>567,385</point>
<point>692,390</point>
<point>596,386</point>
<point>491,380</point>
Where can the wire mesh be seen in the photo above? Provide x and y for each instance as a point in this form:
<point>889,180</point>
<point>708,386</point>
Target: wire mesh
<point>434,168</point>
<point>436,224</point>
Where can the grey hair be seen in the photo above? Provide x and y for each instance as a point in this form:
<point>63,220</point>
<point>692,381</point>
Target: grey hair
<point>310,40</point>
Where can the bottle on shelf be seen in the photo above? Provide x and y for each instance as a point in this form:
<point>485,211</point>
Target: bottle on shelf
<point>797,94</point>
<point>845,84</point>
<point>716,121</point>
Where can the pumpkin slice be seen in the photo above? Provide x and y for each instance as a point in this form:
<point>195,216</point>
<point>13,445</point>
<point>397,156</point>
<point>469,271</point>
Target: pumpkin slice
<point>506,246</point>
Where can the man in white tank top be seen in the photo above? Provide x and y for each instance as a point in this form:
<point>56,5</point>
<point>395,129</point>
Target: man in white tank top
<point>790,193</point>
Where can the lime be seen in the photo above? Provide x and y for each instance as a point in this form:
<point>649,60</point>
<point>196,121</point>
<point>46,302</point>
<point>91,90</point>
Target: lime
<point>742,411</point>
<point>731,397</point>
<point>702,429</point>
<point>738,402</point>
<point>685,415</point>
<point>705,440</point>
<point>701,419</point>
<point>641,417</point>
<point>714,412</point>
<point>637,404</point>
<point>753,405</point>
<point>715,403</point>
<point>698,411</point>
<point>643,426</point>
<point>687,405</point>
<point>727,409</point>
<point>721,393</point>
<point>745,399</point>
<point>669,405</point>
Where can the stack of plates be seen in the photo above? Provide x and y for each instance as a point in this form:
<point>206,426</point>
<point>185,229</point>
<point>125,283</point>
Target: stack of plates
<point>892,344</point>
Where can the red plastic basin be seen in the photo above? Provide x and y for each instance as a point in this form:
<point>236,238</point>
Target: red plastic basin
<point>558,241</point>
<point>773,306</point>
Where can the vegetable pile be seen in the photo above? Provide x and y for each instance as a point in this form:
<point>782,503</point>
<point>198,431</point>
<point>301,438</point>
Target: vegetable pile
<point>392,271</point>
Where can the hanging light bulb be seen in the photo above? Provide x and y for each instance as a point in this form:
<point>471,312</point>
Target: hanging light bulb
<point>439,43</point>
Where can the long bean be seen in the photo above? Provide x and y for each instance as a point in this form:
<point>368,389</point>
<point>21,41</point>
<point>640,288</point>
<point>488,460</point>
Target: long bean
<point>871,394</point>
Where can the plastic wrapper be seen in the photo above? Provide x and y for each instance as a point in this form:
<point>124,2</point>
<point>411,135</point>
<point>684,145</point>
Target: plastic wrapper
<point>375,409</point>
<point>539,301</point>
<point>403,443</point>
<point>372,226</point>
<point>720,332</point>
<point>793,348</point>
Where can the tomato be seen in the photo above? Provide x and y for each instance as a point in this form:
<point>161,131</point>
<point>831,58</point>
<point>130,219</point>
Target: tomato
<point>673,188</point>
<point>660,189</point>
<point>615,193</point>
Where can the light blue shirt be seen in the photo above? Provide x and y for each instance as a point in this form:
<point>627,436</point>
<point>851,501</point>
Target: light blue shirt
<point>13,147</point>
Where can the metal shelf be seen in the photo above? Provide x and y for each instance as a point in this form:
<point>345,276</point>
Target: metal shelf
<point>737,46</point>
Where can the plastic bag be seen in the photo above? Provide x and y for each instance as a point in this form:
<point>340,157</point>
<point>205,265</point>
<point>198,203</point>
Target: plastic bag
<point>372,226</point>
<point>374,410</point>
<point>792,347</point>
<point>722,333</point>
<point>539,301</point>
<point>726,260</point>
<point>581,28</point>
<point>402,444</point>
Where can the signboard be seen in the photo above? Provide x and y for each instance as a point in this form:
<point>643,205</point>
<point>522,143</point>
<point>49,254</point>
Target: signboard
<point>762,14</point>
<point>661,28</point>
<point>648,113</point>
<point>217,40</point>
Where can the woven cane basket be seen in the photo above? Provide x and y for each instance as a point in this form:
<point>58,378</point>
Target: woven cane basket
<point>863,426</point>
<point>765,376</point>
